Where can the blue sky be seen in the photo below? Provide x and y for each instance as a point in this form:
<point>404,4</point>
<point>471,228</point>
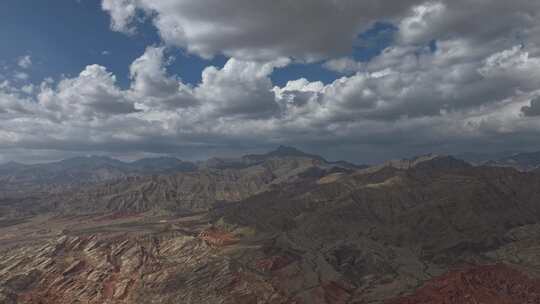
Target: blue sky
<point>358,80</point>
<point>64,36</point>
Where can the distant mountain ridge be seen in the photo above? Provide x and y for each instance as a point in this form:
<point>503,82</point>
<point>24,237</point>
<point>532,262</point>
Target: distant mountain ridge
<point>95,169</point>
<point>478,158</point>
<point>81,170</point>
<point>528,161</point>
<point>282,151</point>
<point>279,152</point>
<point>433,161</point>
<point>521,161</point>
<point>78,171</point>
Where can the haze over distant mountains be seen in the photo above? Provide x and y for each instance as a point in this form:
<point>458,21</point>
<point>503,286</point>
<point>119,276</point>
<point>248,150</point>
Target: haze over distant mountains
<point>79,170</point>
<point>90,169</point>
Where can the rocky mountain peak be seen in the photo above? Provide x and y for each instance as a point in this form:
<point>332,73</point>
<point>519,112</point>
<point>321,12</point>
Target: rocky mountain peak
<point>287,151</point>
<point>428,161</point>
<point>284,151</point>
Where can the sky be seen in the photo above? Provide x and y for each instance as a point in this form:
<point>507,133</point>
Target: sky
<point>360,80</point>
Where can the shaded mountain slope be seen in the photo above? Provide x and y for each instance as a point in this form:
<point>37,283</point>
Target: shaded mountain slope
<point>435,208</point>
<point>397,227</point>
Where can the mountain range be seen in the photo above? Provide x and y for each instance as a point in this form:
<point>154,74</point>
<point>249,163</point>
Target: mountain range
<point>523,161</point>
<point>520,161</point>
<point>84,170</point>
<point>281,227</point>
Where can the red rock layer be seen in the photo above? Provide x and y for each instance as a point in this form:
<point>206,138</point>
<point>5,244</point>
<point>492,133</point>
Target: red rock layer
<point>491,284</point>
<point>216,237</point>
